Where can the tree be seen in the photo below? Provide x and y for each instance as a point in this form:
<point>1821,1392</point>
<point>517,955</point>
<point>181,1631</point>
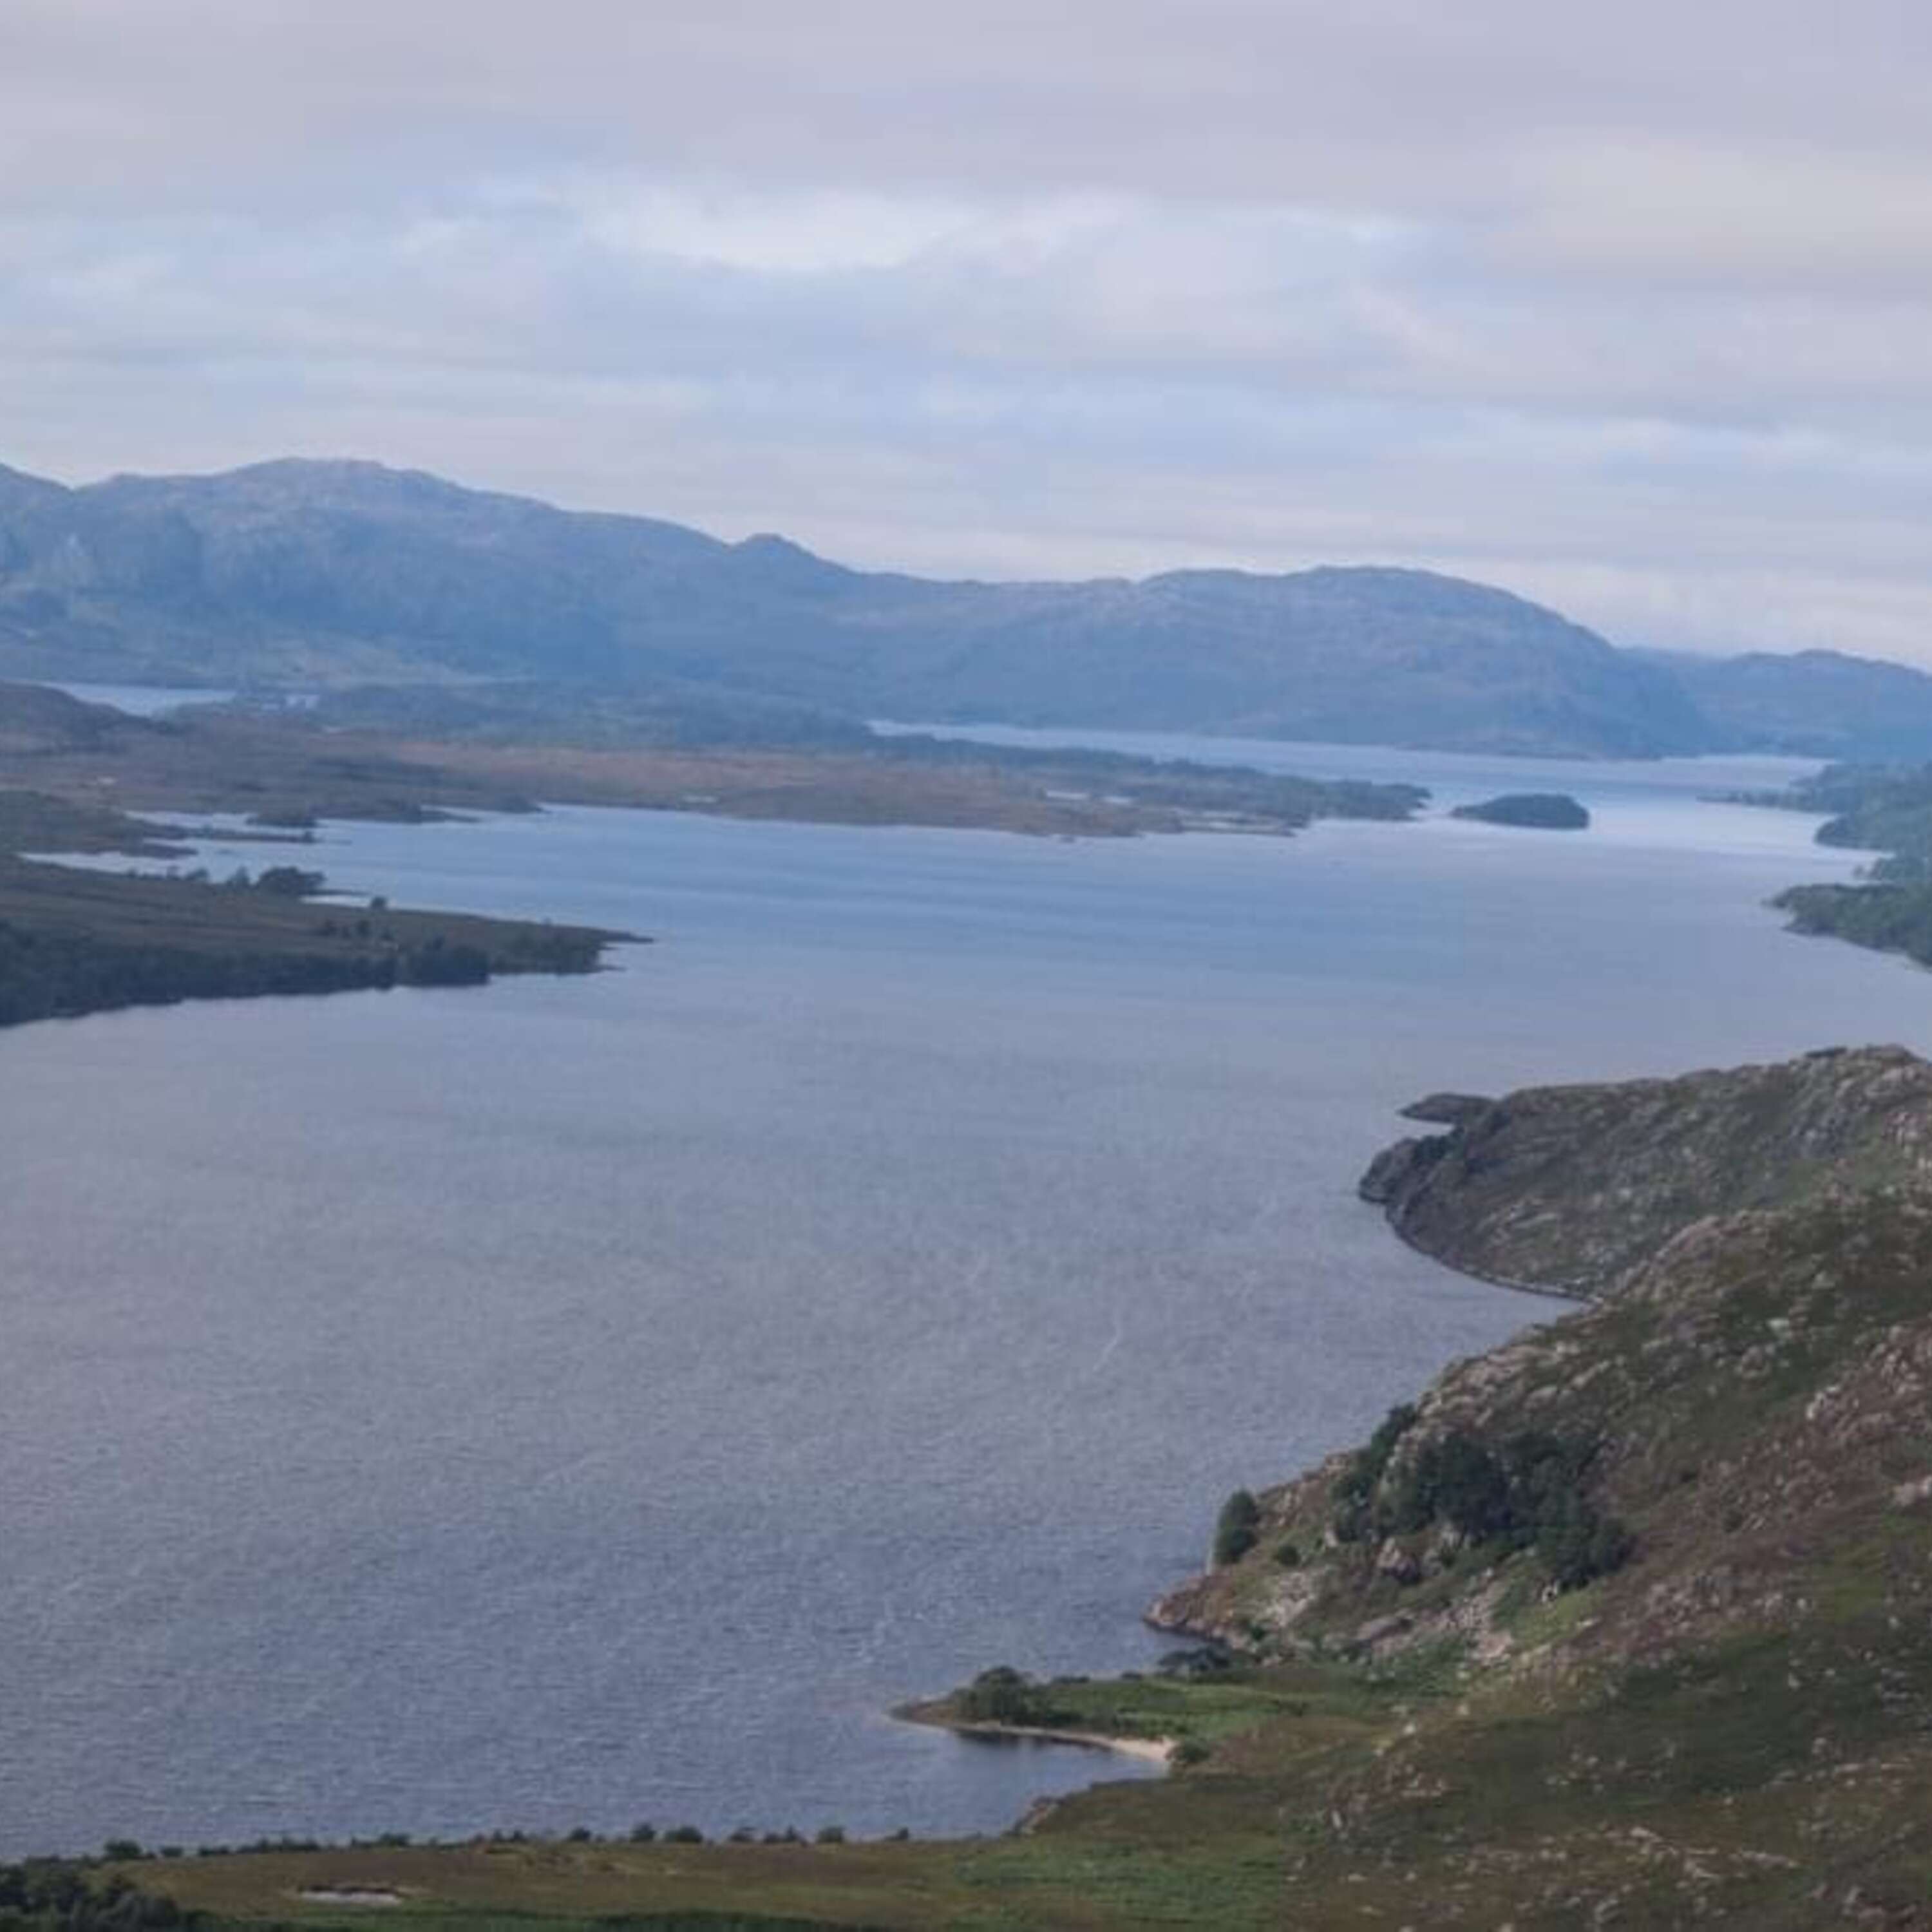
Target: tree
<point>1235,1528</point>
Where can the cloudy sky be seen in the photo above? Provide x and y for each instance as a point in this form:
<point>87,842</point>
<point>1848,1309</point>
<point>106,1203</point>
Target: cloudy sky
<point>1628,308</point>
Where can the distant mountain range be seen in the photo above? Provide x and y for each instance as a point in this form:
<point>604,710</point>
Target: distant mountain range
<point>303,573</point>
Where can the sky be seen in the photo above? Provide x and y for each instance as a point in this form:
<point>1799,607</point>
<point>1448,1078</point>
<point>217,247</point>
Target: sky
<point>1627,309</point>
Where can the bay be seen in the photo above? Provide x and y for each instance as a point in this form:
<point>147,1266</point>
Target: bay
<point>576,1402</point>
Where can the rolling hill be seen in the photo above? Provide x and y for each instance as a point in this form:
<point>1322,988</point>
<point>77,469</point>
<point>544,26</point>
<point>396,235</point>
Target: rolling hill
<point>341,573</point>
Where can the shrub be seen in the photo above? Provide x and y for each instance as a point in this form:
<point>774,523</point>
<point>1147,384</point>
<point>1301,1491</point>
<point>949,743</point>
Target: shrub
<point>1004,1696</point>
<point>1201,1661</point>
<point>438,963</point>
<point>1234,1527</point>
<point>1578,1552</point>
<point>1529,1494</point>
<point>289,882</point>
<point>1456,1480</point>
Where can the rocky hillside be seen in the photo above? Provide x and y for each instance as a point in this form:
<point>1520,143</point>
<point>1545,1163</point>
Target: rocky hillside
<point>36,718</point>
<point>1626,1624</point>
<point>1668,1560</point>
<point>335,573</point>
<point>1565,1188</point>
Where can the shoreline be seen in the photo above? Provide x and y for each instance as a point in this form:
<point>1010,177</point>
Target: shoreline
<point>1148,1751</point>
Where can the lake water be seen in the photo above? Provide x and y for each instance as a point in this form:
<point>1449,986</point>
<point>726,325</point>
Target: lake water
<point>582,1401</point>
<point>147,700</point>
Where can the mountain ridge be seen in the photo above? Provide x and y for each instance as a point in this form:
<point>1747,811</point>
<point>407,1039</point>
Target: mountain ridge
<point>300,571</point>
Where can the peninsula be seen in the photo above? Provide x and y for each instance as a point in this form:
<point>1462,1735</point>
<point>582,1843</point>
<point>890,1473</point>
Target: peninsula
<point>75,940</point>
<point>75,778</point>
<point>1623,1622</point>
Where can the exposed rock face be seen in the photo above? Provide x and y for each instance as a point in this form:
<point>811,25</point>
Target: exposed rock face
<point>1565,1188</point>
<point>35,717</point>
<point>1748,1391</point>
<point>1756,1394</point>
<point>1671,1552</point>
<point>1447,1110</point>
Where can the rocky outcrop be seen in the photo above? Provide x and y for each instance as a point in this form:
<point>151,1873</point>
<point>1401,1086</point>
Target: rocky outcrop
<point>1668,1556</point>
<point>1745,1413</point>
<point>1563,1189</point>
<point>1758,1245</point>
<point>1447,1110</point>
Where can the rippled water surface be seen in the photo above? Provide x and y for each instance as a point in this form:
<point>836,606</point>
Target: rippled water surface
<point>581,1401</point>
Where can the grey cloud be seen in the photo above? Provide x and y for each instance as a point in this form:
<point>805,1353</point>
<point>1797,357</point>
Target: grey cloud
<point>1630,310</point>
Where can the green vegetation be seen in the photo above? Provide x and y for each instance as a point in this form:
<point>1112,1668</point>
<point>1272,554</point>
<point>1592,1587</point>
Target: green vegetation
<point>1567,1188</point>
<point>34,821</point>
<point>288,882</point>
<point>1883,808</point>
<point>1705,1732</point>
<point>1235,1528</point>
<point>1004,1696</point>
<point>1874,807</point>
<point>1625,1623</point>
<point>285,770</point>
<point>1887,918</point>
<point>50,1895</point>
<point>1354,1492</point>
<point>73,942</point>
<point>1528,1493</point>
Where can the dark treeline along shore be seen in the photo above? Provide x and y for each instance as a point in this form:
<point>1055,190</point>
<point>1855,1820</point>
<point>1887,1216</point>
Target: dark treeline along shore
<point>74,941</point>
<point>1887,809</point>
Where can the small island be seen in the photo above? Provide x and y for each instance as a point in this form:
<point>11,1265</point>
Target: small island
<point>1541,810</point>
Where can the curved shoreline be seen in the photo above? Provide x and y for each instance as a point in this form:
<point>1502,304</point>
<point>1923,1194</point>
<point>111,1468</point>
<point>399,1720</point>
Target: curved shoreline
<point>1573,1296</point>
<point>1149,1750</point>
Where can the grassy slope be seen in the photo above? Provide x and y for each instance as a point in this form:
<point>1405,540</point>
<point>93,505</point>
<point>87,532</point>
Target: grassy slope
<point>1737,1717</point>
<point>1888,810</point>
<point>1735,1727</point>
<point>73,942</point>
<point>1568,1187</point>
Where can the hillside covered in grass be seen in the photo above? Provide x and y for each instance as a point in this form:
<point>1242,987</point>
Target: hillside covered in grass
<point>1883,809</point>
<point>1627,1623</point>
